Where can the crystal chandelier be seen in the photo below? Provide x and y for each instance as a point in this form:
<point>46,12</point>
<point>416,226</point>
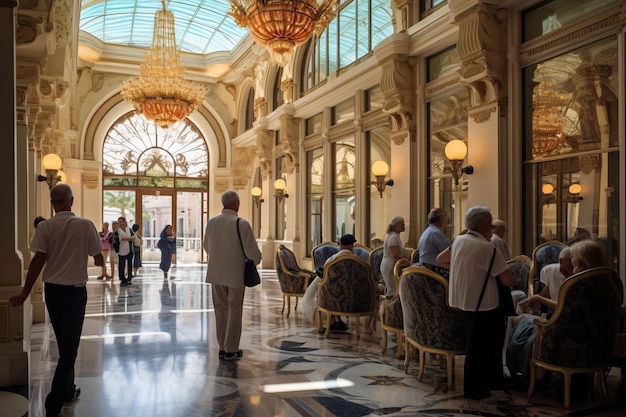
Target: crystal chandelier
<point>281,25</point>
<point>161,93</point>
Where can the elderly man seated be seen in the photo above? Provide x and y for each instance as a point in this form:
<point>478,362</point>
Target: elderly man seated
<point>309,300</point>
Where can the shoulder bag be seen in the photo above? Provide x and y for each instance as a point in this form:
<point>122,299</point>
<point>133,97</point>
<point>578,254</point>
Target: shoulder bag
<point>251,276</point>
<point>505,301</point>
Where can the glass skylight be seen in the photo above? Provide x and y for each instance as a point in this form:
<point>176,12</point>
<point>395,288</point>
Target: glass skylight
<point>202,26</point>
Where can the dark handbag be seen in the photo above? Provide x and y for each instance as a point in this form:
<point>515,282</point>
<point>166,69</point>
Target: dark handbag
<point>505,305</point>
<point>251,276</point>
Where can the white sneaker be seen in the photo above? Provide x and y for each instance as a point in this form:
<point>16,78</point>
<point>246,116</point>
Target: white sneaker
<point>500,396</point>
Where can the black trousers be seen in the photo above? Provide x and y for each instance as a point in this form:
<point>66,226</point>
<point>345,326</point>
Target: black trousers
<point>125,261</point>
<point>483,372</point>
<point>66,307</point>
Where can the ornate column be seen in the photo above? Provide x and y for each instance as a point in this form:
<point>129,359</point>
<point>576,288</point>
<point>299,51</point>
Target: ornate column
<point>13,359</point>
<point>398,86</point>
<point>264,155</point>
<point>482,49</point>
<point>289,141</point>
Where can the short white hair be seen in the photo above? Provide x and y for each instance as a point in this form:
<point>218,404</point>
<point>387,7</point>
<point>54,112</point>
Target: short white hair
<point>474,216</point>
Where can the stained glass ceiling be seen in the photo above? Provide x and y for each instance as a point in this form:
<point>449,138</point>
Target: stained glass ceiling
<point>202,26</point>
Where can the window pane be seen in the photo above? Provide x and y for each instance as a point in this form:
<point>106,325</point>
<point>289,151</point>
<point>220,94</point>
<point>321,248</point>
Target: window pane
<point>551,15</point>
<point>380,206</point>
<point>447,121</point>
<point>315,184</point>
<point>363,28</point>
<point>343,111</point>
<point>374,98</point>
<point>443,63</point>
<point>332,47</point>
<point>347,35</point>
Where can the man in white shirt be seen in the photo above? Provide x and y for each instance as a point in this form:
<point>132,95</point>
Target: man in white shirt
<point>125,253</point>
<point>497,239</point>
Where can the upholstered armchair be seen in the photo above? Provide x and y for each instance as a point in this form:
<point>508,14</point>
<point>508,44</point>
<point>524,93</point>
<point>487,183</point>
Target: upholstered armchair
<point>580,335</point>
<point>362,251</point>
<point>375,259</point>
<point>321,253</point>
<point>544,254</point>
<point>520,266</point>
<point>415,256</point>
<point>293,280</point>
<point>347,289</point>
<point>391,319</point>
<point>430,324</point>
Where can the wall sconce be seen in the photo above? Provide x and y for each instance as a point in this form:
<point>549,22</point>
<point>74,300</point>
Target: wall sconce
<point>455,152</point>
<point>279,186</point>
<point>547,189</point>
<point>51,164</point>
<point>256,196</point>
<point>380,170</point>
<point>574,190</point>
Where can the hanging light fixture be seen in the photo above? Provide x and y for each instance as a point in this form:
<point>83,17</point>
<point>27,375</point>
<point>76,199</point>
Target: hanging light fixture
<point>161,93</point>
<point>281,25</point>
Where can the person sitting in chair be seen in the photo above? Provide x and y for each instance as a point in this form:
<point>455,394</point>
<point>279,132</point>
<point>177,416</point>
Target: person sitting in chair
<point>309,299</point>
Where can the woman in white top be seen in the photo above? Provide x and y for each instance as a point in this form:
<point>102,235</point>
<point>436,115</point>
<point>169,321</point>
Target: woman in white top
<point>393,250</point>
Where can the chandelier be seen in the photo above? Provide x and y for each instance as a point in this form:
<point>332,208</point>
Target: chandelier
<point>161,93</point>
<point>281,25</point>
<point>547,119</point>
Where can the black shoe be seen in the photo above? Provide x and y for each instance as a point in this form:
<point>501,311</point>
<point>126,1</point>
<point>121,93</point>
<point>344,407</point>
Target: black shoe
<point>125,283</point>
<point>222,353</point>
<point>74,395</point>
<point>231,356</point>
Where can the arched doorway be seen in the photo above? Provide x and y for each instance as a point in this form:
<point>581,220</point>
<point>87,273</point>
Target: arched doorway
<point>155,177</point>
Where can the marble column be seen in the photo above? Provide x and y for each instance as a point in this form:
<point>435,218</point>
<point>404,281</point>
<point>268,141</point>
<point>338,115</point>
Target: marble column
<point>13,359</point>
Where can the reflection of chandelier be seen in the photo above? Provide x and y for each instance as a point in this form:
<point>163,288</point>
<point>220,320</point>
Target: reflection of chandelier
<point>281,25</point>
<point>547,119</point>
<point>161,92</point>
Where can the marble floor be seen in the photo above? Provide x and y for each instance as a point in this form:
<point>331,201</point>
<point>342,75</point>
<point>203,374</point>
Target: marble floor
<point>149,351</point>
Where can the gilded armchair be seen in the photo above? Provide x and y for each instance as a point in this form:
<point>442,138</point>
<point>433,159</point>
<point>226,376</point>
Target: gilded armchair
<point>362,251</point>
<point>544,254</point>
<point>347,289</point>
<point>293,280</point>
<point>321,253</point>
<point>391,312</point>
<point>375,259</point>
<point>430,324</point>
<point>520,266</point>
<point>580,335</point>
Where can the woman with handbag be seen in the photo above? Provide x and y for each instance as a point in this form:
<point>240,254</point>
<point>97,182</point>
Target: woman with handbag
<point>474,266</point>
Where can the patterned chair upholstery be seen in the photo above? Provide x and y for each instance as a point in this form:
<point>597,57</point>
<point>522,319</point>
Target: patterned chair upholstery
<point>321,253</point>
<point>375,259</point>
<point>544,254</point>
<point>430,324</point>
<point>293,280</point>
<point>391,311</point>
<point>362,251</point>
<point>580,336</point>
<point>520,266</point>
<point>347,289</point>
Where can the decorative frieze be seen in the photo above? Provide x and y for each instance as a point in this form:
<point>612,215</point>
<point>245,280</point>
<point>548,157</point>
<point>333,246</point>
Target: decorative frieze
<point>289,138</point>
<point>91,181</point>
<point>264,150</point>
<point>397,84</point>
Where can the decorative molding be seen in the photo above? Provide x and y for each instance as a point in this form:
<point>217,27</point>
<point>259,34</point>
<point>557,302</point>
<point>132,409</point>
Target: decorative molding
<point>264,150</point>
<point>397,84</point>
<point>221,185</point>
<point>91,181</point>
<point>28,29</point>
<point>482,114</point>
<point>260,109</point>
<point>289,137</point>
<point>287,87</point>
<point>242,166</point>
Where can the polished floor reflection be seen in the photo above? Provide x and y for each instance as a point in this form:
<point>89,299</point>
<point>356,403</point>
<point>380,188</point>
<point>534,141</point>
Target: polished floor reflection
<point>149,350</point>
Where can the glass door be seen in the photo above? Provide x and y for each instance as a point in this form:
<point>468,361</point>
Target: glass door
<point>156,208</point>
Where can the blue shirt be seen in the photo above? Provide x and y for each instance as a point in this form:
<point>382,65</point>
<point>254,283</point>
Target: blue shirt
<point>432,242</point>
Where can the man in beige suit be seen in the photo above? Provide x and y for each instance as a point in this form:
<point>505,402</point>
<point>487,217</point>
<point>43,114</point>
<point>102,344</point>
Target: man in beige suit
<point>225,271</point>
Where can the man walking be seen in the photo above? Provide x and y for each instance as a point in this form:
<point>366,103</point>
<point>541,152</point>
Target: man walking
<point>63,244</point>
<point>225,271</point>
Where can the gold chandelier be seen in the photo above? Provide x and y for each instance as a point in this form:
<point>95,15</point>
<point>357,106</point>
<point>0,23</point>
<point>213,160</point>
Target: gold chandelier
<point>161,93</point>
<point>281,25</point>
<point>547,119</point>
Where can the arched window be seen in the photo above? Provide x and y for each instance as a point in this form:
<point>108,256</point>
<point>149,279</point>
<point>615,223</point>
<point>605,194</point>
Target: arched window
<point>277,96</point>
